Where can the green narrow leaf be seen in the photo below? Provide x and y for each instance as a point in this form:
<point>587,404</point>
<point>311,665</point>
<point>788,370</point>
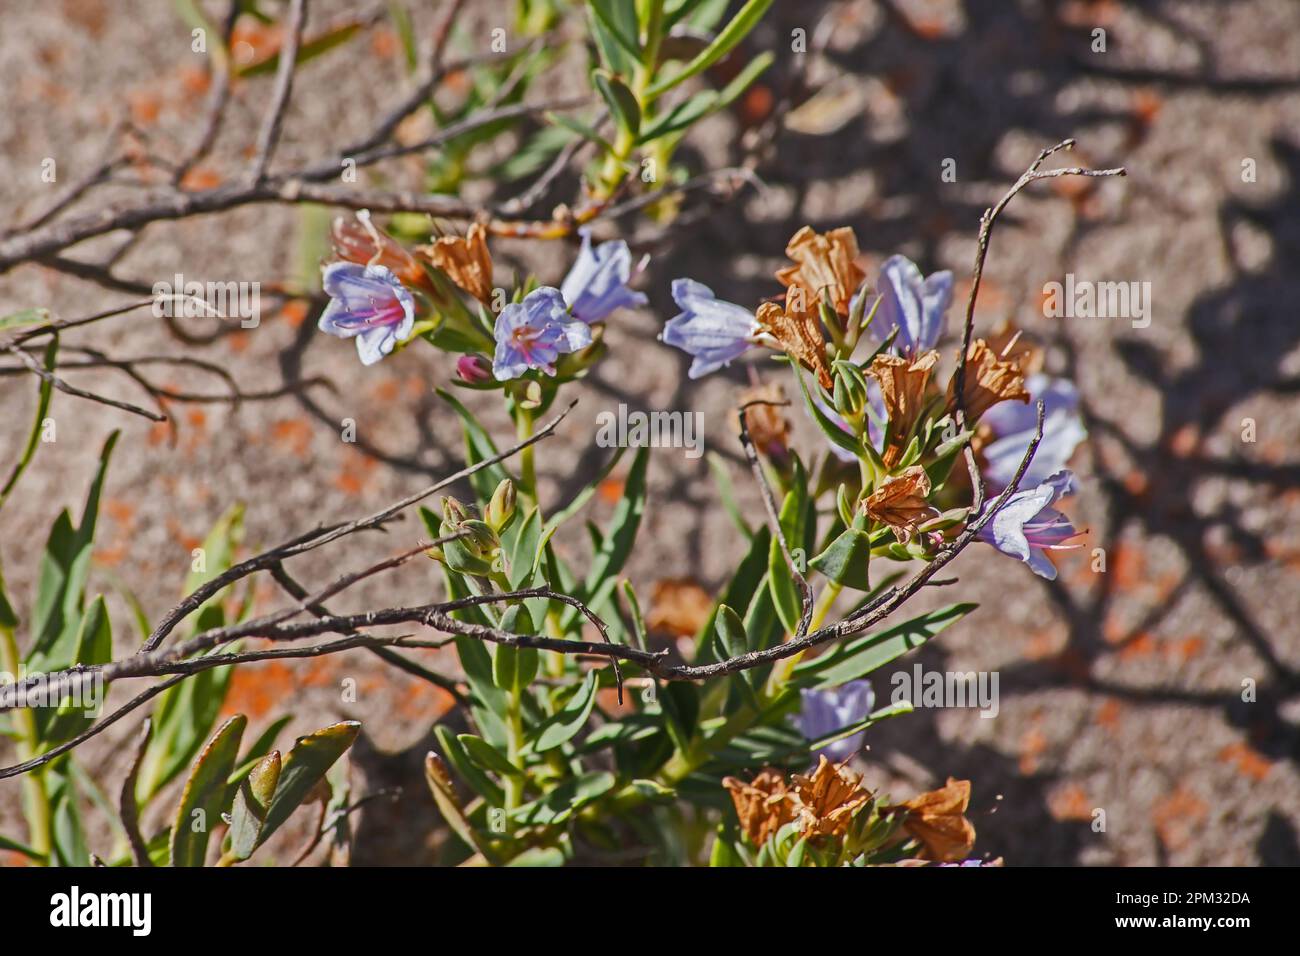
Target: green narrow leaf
<point>487,756</point>
<point>565,724</point>
<point>38,423</point>
<point>304,767</point>
<point>621,102</point>
<point>845,560</point>
<point>859,657</point>
<point>617,19</point>
<point>201,804</point>
<point>722,44</point>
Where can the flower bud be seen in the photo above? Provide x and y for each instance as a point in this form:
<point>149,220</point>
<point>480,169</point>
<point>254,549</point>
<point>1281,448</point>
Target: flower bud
<point>453,512</point>
<point>500,512</point>
<point>474,369</point>
<point>850,389</point>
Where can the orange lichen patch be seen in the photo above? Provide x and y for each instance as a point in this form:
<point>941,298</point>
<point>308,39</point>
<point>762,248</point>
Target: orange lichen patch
<point>1136,484</point>
<point>294,312</point>
<point>110,556</point>
<point>384,43</point>
<point>607,699</point>
<point>357,467</point>
<point>1176,817</point>
<point>145,107</point>
<point>292,434</point>
<point>386,390</point>
<point>238,342</point>
<point>457,82</point>
<point>1185,442</point>
<point>1137,647</point>
<point>90,15</point>
<point>419,701</point>
<point>1086,14</point>
<point>1184,649</point>
<point>611,490</point>
<point>1109,713</point>
<point>200,178</point>
<point>183,538</point>
<point>679,606</point>
<point>1125,567</point>
<point>194,80</point>
<point>1248,761</point>
<point>1032,745</point>
<point>1069,802</point>
<point>258,689</point>
<point>756,105</point>
<point>928,29</point>
<point>123,512</point>
<point>1073,663</point>
<point>13,858</point>
<point>318,672</point>
<point>1043,645</point>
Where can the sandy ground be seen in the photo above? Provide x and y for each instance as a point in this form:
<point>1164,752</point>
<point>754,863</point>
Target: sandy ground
<point>1120,691</point>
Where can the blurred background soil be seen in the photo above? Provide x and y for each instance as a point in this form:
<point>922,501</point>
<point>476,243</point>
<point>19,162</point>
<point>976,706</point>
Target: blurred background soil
<point>1120,691</point>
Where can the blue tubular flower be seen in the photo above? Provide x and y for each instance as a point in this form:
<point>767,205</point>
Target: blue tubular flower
<point>1013,425</point>
<point>826,711</point>
<point>597,283</point>
<point>1027,526</point>
<point>369,304</point>
<point>714,331</point>
<point>914,305</point>
<point>533,333</point>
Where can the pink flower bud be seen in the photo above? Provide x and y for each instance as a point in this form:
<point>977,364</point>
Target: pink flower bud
<point>474,369</point>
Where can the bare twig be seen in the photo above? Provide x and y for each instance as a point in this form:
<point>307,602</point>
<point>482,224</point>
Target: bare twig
<point>270,133</point>
<point>1032,174</point>
<point>127,809</point>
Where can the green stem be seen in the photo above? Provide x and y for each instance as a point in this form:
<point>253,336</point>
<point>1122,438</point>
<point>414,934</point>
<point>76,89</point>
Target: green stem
<point>527,467</point>
<point>36,800</point>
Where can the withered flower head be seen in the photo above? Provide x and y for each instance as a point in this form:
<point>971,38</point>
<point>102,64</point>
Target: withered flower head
<point>900,502</point>
<point>767,424</point>
<point>465,261</point>
<point>824,263</point>
<point>988,380</point>
<point>902,388</point>
<point>678,606</point>
<point>358,240</point>
<point>763,806</point>
<point>937,819</point>
<point>800,335</point>
<point>1012,344</point>
<point>827,799</point>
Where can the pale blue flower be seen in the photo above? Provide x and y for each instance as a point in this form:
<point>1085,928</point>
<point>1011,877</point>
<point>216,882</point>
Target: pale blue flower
<point>823,712</point>
<point>914,305</point>
<point>1014,423</point>
<point>597,283</point>
<point>1027,526</point>
<point>533,333</point>
<point>367,303</point>
<point>713,331</point>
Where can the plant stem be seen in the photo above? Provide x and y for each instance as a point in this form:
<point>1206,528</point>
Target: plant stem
<point>36,801</point>
<point>527,467</point>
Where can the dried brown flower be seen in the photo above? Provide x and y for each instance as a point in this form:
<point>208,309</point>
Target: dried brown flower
<point>678,606</point>
<point>937,819</point>
<point>900,502</point>
<point>902,388</point>
<point>827,799</point>
<point>800,336</point>
<point>357,240</point>
<point>1012,344</point>
<point>763,805</point>
<point>767,424</point>
<point>824,263</point>
<point>465,261</point>
<point>988,380</point>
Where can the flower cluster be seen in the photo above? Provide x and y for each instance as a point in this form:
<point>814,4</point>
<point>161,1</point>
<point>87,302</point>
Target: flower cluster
<point>889,412</point>
<point>383,295</point>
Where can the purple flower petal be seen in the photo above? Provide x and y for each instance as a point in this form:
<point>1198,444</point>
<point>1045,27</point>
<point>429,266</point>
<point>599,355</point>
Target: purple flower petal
<point>367,303</point>
<point>597,283</point>
<point>1014,423</point>
<point>912,304</point>
<point>532,334</point>
<point>823,712</point>
<point>1027,526</point>
<point>713,331</point>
